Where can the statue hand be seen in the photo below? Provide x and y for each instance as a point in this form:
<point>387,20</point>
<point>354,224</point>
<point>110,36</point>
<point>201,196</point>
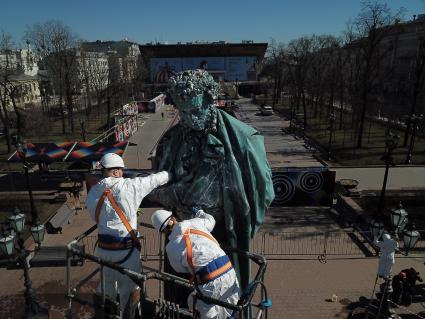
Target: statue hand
<point>194,210</point>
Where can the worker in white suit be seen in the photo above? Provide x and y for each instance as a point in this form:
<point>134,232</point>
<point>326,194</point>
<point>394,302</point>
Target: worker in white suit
<point>387,247</point>
<point>192,249</point>
<point>113,204</point>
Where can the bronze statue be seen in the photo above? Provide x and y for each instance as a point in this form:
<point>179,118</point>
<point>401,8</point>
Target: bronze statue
<point>217,163</point>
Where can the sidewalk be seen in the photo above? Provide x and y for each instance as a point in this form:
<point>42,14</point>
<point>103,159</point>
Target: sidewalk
<point>298,288</point>
<point>147,136</point>
<point>283,150</point>
<point>371,178</point>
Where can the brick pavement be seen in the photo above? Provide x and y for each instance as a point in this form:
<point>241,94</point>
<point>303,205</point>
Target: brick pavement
<point>298,288</point>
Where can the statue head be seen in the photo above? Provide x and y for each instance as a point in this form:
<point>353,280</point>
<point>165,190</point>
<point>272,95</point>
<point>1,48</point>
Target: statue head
<point>194,93</point>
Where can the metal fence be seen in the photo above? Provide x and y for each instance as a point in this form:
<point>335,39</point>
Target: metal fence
<point>322,245</point>
<point>286,245</point>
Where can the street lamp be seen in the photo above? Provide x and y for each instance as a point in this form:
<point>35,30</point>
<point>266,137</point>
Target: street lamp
<point>377,228</point>
<point>391,141</point>
<point>11,247</point>
<point>15,248</point>
<point>410,238</point>
<point>332,118</point>
<point>21,151</point>
<point>398,217</point>
<point>17,220</point>
<point>7,244</point>
<point>416,121</point>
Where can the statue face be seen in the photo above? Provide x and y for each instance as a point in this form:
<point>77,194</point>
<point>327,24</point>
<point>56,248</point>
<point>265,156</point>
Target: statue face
<point>194,112</point>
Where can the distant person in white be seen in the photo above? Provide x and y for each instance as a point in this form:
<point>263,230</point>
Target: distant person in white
<point>387,246</point>
<point>192,249</point>
<point>117,235</point>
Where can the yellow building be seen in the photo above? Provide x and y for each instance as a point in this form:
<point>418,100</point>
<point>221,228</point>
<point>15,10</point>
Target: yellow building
<point>26,91</point>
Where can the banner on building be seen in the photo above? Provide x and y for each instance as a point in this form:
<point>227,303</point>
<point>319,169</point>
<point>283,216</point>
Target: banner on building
<point>241,68</point>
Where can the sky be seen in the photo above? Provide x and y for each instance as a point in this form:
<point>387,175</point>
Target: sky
<point>172,21</point>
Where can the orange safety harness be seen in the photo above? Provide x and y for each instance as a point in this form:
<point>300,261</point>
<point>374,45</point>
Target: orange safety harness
<point>121,245</point>
<point>189,255</point>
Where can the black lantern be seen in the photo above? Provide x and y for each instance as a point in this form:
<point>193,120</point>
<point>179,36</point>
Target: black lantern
<point>410,238</point>
<point>377,228</point>
<point>37,233</point>
<point>398,217</point>
<point>17,220</point>
<point>7,244</point>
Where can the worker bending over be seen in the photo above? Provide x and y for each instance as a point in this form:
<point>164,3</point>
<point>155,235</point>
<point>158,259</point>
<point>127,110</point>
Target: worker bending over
<point>192,249</point>
<point>113,204</point>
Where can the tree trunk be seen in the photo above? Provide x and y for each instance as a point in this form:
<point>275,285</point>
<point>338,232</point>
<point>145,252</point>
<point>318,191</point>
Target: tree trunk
<point>304,110</point>
<point>108,115</point>
<point>5,120</point>
<point>18,117</point>
<point>362,119</point>
<point>62,113</point>
<point>341,104</point>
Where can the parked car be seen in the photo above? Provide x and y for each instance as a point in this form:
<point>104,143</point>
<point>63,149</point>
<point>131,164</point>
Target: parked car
<point>266,110</point>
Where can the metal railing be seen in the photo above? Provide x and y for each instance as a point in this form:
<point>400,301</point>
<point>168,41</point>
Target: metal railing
<point>161,307</point>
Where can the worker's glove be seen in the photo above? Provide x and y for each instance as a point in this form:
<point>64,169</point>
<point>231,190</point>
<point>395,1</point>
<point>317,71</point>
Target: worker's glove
<point>194,210</point>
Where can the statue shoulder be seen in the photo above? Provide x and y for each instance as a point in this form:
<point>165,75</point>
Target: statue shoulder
<point>237,126</point>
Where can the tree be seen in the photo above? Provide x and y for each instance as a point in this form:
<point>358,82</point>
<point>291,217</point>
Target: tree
<point>8,87</point>
<point>56,44</point>
<point>321,73</point>
<point>299,53</point>
<point>415,86</point>
<point>371,27</point>
<point>276,59</point>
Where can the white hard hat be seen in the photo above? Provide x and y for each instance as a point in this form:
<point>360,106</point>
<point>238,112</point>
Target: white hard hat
<point>160,219</point>
<point>111,160</point>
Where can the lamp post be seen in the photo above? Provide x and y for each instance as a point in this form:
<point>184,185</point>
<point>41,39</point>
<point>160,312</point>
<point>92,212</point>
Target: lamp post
<point>399,224</point>
<point>332,118</point>
<point>17,222</point>
<point>12,245</point>
<point>21,150</point>
<point>416,120</point>
<point>237,88</point>
<point>391,141</point>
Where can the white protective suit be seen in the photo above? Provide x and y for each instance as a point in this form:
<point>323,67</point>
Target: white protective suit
<point>225,287</point>
<point>386,261</point>
<point>128,193</point>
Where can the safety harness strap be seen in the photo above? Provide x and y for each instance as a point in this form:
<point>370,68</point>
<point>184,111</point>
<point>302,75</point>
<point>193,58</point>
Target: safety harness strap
<point>99,206</point>
<point>107,193</point>
<point>189,255</point>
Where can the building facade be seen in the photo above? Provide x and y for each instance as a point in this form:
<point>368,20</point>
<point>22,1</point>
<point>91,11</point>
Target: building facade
<point>19,79</point>
<point>224,61</point>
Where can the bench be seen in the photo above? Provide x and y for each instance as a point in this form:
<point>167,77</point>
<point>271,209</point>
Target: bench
<point>62,217</point>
